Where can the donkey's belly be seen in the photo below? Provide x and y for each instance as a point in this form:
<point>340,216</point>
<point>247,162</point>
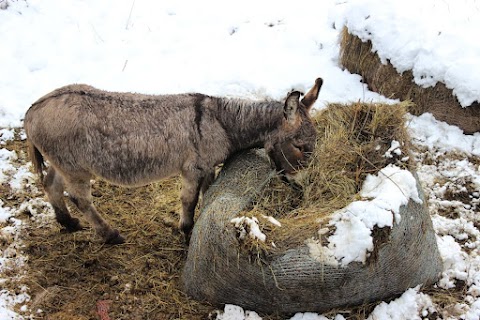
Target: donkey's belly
<point>135,160</point>
<point>137,172</point>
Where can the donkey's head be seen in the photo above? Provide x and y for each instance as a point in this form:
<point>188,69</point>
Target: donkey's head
<point>293,142</point>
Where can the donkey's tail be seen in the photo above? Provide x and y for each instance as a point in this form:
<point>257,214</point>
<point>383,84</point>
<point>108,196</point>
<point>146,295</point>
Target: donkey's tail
<point>37,159</point>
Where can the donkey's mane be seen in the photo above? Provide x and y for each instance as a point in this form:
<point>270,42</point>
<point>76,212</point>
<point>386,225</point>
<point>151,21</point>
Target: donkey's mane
<point>242,110</point>
<point>248,122</point>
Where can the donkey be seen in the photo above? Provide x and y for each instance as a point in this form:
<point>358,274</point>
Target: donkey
<point>134,139</point>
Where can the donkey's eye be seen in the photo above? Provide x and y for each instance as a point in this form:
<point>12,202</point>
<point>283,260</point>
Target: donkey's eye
<point>300,148</point>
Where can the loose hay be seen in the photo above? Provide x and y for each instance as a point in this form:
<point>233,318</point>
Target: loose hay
<point>359,57</point>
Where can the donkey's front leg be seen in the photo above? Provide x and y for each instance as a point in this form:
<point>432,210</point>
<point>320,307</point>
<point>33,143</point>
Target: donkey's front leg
<point>191,184</point>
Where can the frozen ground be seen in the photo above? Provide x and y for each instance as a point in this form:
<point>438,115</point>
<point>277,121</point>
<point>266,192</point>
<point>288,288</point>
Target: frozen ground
<point>255,50</point>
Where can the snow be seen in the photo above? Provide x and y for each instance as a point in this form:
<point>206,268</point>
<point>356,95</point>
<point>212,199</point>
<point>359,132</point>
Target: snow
<point>232,312</point>
<point>5,212</point>
<point>5,311</point>
<point>402,34</point>
<point>251,227</point>
<point>6,157</point>
<point>6,303</point>
<point>314,316</point>
<point>260,50</point>
<point>394,148</point>
<point>411,305</point>
<point>385,192</point>
<point>6,135</point>
<point>454,262</point>
<point>272,220</point>
<point>474,312</point>
<point>442,136</point>
<point>248,226</point>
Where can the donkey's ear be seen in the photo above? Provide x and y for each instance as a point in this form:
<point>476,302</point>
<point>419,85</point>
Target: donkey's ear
<point>291,106</point>
<point>312,95</point>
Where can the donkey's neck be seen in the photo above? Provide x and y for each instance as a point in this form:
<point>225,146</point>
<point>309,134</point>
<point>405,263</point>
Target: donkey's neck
<point>249,123</point>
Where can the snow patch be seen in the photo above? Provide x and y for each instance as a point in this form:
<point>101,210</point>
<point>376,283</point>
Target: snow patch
<point>6,166</point>
<point>248,226</point>
<point>385,192</point>
<point>6,135</point>
<point>232,312</point>
<point>411,305</point>
<point>438,135</point>
<point>454,262</point>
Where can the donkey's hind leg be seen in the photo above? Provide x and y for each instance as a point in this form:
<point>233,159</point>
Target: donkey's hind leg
<point>54,187</point>
<point>80,194</point>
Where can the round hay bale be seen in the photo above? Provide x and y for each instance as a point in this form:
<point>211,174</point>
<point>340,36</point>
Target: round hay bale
<point>358,57</point>
<point>218,271</point>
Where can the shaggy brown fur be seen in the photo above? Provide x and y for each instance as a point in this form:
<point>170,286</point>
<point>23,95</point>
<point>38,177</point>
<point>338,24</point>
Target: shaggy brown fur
<point>135,139</point>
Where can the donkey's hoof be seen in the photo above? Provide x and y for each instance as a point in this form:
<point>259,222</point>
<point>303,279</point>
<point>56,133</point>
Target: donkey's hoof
<point>114,238</point>
<point>73,225</point>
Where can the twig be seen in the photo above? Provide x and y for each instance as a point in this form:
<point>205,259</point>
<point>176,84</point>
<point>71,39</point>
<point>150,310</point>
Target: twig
<point>130,15</point>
